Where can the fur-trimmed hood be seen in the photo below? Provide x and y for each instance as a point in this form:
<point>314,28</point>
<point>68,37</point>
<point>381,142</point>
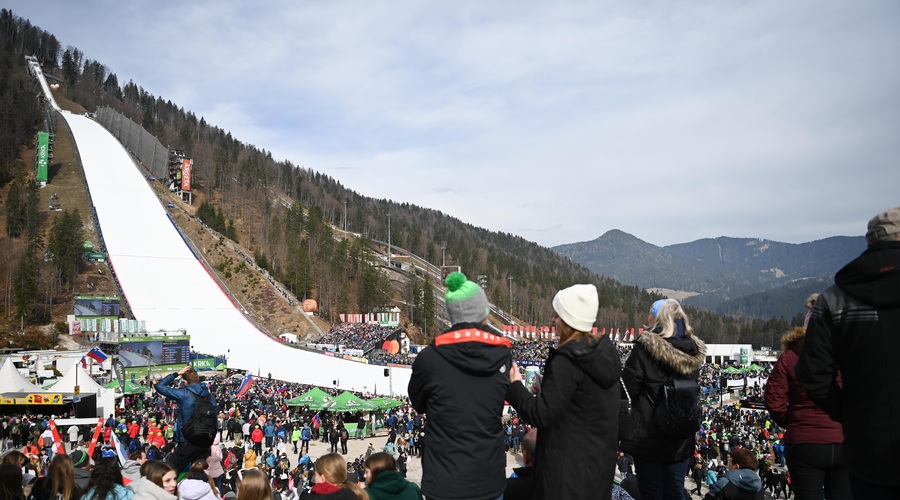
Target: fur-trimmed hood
<point>684,355</point>
<point>792,337</point>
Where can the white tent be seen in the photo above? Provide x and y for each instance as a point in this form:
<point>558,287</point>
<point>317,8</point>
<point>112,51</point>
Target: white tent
<point>77,375</point>
<point>13,381</point>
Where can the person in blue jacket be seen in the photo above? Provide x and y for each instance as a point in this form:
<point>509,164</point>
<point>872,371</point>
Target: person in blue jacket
<point>185,452</point>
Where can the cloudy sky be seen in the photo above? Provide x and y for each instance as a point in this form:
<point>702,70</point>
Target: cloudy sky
<point>556,121</point>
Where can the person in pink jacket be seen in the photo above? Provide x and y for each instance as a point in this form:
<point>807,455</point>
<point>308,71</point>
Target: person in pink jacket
<point>215,470</point>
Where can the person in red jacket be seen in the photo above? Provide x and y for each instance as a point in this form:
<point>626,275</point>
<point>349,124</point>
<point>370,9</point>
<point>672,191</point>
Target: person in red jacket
<point>257,437</point>
<point>812,440</point>
<point>134,429</point>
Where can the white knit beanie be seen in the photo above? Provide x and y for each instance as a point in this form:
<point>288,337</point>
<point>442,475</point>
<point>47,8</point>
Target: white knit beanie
<point>577,306</point>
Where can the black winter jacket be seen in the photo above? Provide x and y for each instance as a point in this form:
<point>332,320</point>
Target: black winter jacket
<point>459,382</point>
<point>576,414</point>
<point>650,363</point>
<point>855,326</point>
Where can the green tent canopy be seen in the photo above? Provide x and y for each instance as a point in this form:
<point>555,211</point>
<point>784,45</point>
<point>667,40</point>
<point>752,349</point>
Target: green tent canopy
<point>313,398</point>
<point>732,369</point>
<point>347,401</point>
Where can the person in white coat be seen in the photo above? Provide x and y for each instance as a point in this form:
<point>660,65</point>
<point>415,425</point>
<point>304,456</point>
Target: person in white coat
<point>159,481</point>
<point>198,485</point>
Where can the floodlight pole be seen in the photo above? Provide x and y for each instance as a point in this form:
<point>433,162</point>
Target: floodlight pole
<point>510,278</point>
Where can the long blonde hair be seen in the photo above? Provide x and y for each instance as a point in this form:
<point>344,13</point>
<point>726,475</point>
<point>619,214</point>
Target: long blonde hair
<point>61,475</point>
<point>664,322</point>
<point>333,468</point>
<point>254,485</point>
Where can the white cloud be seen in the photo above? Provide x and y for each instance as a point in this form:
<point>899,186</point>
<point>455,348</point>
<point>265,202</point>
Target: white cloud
<point>557,121</point>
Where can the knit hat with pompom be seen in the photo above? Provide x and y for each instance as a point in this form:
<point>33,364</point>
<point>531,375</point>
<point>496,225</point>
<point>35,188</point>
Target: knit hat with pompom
<point>466,301</point>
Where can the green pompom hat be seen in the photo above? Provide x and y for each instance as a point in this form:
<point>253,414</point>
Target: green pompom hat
<point>466,301</point>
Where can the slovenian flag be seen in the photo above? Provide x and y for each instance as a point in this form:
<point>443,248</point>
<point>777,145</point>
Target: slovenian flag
<point>245,385</point>
<point>97,355</point>
<point>283,388</point>
<point>316,422</point>
<point>84,362</point>
<point>120,448</point>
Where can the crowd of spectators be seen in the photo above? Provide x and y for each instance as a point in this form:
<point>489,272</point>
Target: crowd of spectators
<point>362,336</point>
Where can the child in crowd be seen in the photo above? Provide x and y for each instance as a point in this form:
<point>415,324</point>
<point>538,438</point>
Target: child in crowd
<point>740,481</point>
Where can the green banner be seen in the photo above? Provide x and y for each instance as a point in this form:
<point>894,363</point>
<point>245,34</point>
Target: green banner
<point>204,364</point>
<point>139,372</point>
<point>43,156</point>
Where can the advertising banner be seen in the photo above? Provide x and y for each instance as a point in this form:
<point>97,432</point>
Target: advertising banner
<point>101,305</point>
<point>43,156</point>
<point>204,364</point>
<point>186,174</point>
<point>141,372</point>
<point>34,399</point>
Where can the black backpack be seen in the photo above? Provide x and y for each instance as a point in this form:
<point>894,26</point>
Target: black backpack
<point>201,428</point>
<point>678,409</point>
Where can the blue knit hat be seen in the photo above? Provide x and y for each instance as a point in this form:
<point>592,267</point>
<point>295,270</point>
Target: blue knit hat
<point>466,301</point>
<point>654,309</point>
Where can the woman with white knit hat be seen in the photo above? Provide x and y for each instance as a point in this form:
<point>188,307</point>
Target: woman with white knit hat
<point>576,410</point>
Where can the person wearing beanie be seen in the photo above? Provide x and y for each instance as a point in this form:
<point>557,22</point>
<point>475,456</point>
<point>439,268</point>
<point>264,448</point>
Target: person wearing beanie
<point>847,363</point>
<point>82,464</point>
<point>667,349</point>
<point>576,408</point>
<point>460,381</point>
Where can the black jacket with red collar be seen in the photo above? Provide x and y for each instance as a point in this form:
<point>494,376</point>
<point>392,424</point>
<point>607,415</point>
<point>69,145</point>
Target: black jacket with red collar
<point>459,382</point>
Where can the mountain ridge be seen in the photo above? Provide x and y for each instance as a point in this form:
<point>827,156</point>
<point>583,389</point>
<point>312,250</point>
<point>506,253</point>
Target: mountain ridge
<point>719,270</point>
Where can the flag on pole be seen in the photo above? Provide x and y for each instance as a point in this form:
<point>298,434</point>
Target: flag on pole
<point>84,362</point>
<point>97,355</point>
<point>119,447</point>
<point>245,385</point>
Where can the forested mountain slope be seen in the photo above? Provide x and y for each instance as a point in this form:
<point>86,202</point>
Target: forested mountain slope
<point>287,214</point>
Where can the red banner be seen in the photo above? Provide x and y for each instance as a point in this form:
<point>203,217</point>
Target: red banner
<point>186,174</point>
<point>57,442</point>
<point>95,437</point>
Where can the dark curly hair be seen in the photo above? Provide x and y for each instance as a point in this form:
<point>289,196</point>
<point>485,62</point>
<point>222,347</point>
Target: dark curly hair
<point>105,475</point>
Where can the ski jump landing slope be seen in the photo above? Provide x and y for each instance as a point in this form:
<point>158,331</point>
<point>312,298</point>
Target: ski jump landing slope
<point>166,285</point>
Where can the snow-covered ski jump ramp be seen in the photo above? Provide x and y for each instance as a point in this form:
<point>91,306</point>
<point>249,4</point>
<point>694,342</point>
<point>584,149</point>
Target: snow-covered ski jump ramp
<point>166,285</point>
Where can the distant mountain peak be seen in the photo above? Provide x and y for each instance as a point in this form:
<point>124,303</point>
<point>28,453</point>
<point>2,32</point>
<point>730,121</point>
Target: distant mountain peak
<point>717,269</point>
